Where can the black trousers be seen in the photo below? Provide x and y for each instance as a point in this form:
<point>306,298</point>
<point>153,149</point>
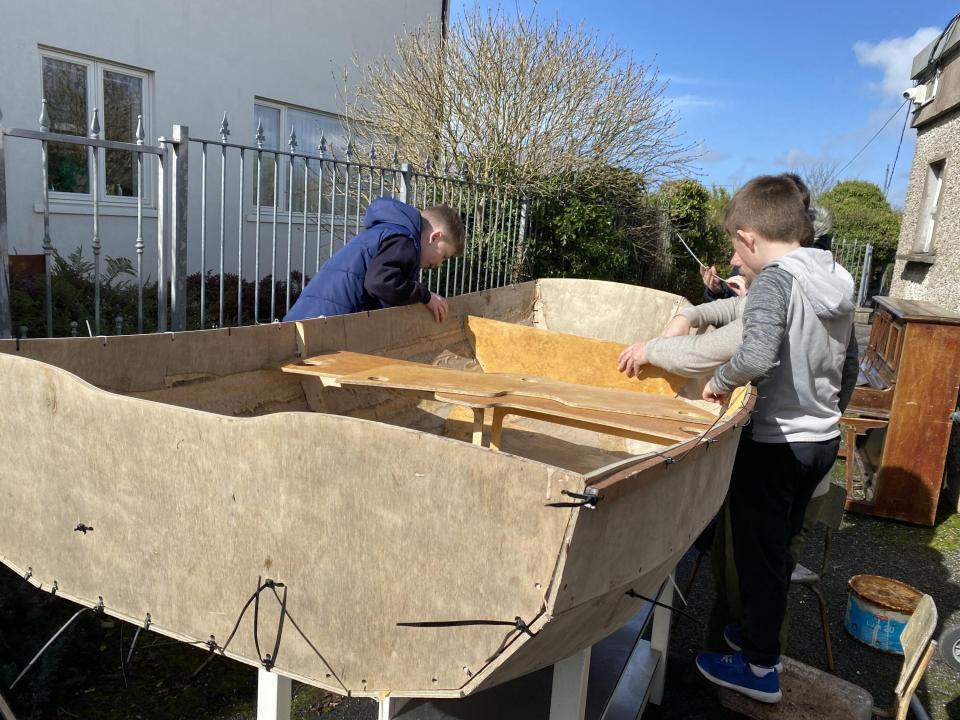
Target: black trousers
<point>770,488</point>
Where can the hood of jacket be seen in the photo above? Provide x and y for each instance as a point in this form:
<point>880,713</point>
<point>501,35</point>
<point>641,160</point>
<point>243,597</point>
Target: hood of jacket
<point>825,282</point>
<point>387,211</point>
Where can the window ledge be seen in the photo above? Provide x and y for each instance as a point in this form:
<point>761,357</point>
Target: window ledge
<point>918,257</point>
<point>85,207</point>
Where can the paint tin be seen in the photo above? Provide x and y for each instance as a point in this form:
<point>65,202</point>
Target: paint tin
<point>878,608</point>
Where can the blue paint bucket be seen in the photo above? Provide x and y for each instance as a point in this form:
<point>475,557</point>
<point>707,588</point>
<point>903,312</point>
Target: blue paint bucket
<point>878,608</point>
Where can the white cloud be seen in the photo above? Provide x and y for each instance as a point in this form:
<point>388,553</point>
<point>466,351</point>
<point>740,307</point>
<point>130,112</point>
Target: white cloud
<point>681,102</point>
<point>797,158</point>
<point>706,154</point>
<point>895,57</point>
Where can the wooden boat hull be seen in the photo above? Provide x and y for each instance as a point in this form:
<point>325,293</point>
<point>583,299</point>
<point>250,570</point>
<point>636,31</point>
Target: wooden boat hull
<point>189,503</point>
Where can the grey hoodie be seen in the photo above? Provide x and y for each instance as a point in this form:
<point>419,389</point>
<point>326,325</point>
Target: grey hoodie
<point>797,324</point>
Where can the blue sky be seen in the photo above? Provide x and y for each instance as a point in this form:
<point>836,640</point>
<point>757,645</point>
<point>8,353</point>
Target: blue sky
<point>768,86</point>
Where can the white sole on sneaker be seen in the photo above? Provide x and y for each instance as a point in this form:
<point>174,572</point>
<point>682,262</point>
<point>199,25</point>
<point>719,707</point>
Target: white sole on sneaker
<point>736,648</point>
<point>759,695</point>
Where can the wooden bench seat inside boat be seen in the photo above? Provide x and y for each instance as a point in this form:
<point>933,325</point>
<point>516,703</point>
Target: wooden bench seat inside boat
<point>642,416</point>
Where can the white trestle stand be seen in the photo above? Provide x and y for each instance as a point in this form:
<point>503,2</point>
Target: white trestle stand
<point>568,698</point>
<point>274,693</point>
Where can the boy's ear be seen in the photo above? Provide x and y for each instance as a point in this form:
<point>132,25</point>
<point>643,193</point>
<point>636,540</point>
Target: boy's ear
<point>435,236</point>
<point>748,238</point>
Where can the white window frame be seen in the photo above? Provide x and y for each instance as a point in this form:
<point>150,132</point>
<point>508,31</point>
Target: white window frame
<point>95,71</point>
<point>930,208</point>
<point>282,165</point>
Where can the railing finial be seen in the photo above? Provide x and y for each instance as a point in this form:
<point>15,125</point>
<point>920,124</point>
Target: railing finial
<point>322,147</point>
<point>395,160</point>
<point>224,129</point>
<point>350,150</point>
<point>44,117</point>
<point>95,124</point>
<point>373,154</point>
<point>140,134</point>
<point>260,136</point>
<point>292,142</point>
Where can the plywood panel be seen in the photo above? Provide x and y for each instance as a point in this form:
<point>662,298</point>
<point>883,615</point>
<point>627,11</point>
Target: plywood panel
<point>509,348</point>
<point>367,525</point>
<point>604,310</point>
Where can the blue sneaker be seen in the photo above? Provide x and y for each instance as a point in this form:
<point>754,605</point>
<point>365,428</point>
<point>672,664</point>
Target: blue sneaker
<point>731,671</point>
<point>731,636</point>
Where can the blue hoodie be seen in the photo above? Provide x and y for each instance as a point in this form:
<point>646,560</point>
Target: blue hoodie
<point>338,288</point>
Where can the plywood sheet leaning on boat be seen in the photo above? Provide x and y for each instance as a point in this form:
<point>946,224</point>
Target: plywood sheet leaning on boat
<point>503,347</point>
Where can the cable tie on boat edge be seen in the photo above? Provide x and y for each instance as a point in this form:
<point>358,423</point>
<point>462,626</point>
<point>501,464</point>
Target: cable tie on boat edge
<point>587,499</point>
<point>632,593</point>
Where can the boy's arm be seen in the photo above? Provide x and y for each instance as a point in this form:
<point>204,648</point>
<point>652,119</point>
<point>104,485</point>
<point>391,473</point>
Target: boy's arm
<point>851,370</point>
<point>389,271</point>
<point>764,327</point>
<point>718,313</point>
<point>693,355</point>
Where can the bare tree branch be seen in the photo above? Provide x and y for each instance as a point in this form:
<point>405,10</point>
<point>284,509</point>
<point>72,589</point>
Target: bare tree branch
<point>521,100</point>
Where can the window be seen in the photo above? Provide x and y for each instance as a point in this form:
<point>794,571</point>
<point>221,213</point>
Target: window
<point>72,87</point>
<point>310,126</point>
<point>929,208</point>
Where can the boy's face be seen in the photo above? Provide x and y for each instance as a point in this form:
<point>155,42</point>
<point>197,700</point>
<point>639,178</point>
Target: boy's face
<point>742,268</point>
<point>435,250</point>
<point>746,254</point>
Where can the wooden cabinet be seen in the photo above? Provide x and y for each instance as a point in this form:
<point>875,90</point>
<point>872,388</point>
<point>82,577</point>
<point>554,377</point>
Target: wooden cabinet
<point>897,427</point>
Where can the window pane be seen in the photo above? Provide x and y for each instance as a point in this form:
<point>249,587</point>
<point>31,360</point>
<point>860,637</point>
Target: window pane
<point>122,103</point>
<point>310,127</point>
<point>65,90</point>
<point>270,119</point>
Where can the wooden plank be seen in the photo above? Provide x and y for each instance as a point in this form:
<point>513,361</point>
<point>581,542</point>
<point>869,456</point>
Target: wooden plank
<point>502,347</point>
<point>345,362</point>
<point>446,380</point>
<point>601,421</point>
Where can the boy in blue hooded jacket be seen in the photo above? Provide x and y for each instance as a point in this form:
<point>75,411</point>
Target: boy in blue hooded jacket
<point>380,267</point>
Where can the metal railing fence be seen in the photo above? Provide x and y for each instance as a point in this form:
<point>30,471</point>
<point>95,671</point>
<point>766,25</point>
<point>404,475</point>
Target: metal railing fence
<point>247,194</point>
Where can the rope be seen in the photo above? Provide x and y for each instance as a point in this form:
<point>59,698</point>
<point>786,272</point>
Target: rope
<point>49,642</point>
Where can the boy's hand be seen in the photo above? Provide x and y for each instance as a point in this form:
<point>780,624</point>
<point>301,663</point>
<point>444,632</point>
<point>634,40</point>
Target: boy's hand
<point>710,279</point>
<point>677,327</point>
<point>633,358</point>
<point>438,306</point>
<point>738,285</point>
<point>710,395</point>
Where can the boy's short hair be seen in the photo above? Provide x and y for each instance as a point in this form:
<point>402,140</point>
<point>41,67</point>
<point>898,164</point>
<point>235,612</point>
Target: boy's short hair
<point>801,186</point>
<point>448,220</point>
<point>770,205</point>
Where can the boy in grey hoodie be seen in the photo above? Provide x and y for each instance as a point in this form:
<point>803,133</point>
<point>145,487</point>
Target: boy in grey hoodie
<point>797,322</point>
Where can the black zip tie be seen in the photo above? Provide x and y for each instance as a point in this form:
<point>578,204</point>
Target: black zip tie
<point>670,460</point>
<point>516,624</point>
<point>98,609</point>
<point>54,588</point>
<point>146,626</point>
<point>588,500</point>
<point>313,647</point>
<point>671,608</point>
<point>212,646</point>
<point>49,642</point>
<point>83,528</point>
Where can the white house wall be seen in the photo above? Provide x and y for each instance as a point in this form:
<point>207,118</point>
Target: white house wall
<point>206,59</point>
